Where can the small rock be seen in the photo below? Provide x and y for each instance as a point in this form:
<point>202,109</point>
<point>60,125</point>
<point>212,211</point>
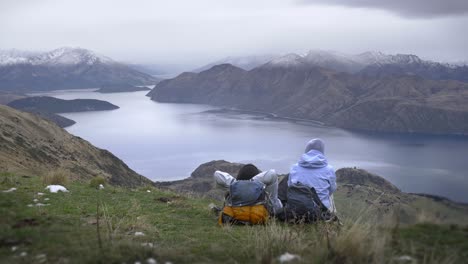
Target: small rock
<point>40,194</point>
<point>148,191</point>
<point>137,262</point>
<point>14,248</point>
<point>287,257</point>
<point>35,200</point>
<point>139,234</point>
<point>151,261</point>
<point>23,254</point>
<point>41,258</point>
<point>101,186</point>
<point>30,205</point>
<point>41,204</point>
<point>56,188</point>
<point>150,245</point>
<point>9,190</point>
<point>46,199</point>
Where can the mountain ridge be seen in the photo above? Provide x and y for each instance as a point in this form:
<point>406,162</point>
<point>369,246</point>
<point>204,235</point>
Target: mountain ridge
<point>64,68</point>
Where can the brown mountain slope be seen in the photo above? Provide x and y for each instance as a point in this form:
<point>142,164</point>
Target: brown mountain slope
<point>31,145</point>
<point>394,104</point>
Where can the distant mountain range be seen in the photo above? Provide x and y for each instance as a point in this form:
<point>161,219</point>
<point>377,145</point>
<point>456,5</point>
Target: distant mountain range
<point>244,62</point>
<point>339,91</point>
<point>371,63</point>
<point>64,68</point>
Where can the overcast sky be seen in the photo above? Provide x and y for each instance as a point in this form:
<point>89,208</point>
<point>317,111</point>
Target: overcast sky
<point>199,31</point>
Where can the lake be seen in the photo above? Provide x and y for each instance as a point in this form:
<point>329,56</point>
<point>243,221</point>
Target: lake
<point>168,141</point>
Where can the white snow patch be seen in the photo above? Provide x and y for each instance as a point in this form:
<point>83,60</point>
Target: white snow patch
<point>35,200</point>
<point>101,186</point>
<point>10,190</point>
<point>405,259</point>
<point>46,199</point>
<point>139,234</point>
<point>148,191</point>
<point>56,188</point>
<point>151,261</point>
<point>41,204</point>
<point>286,257</point>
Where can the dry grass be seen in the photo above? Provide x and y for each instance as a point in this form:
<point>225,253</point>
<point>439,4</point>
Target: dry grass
<point>8,179</point>
<point>58,177</point>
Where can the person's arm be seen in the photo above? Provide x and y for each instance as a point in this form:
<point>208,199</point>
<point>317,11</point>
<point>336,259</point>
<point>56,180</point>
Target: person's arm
<point>267,177</point>
<point>223,179</point>
<point>270,179</point>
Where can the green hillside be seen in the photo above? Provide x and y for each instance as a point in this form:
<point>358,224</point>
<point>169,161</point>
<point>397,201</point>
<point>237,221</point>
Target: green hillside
<point>181,229</point>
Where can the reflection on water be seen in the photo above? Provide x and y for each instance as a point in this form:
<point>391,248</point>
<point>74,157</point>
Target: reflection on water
<point>168,141</point>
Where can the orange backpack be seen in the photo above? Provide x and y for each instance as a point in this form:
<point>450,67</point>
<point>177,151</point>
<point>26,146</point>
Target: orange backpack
<point>245,204</point>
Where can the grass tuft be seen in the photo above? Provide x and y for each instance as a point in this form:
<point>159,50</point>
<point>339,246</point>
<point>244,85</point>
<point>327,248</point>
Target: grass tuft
<point>57,177</point>
<point>96,181</point>
<point>8,179</point>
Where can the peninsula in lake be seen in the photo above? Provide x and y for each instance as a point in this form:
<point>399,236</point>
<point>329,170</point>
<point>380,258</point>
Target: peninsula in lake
<point>358,98</point>
<point>121,88</point>
<point>48,107</point>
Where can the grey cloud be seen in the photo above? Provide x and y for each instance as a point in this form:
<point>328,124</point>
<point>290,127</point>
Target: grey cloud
<point>405,8</point>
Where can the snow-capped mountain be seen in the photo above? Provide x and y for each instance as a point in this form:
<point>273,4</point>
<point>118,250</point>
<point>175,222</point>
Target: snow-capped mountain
<point>288,60</point>
<point>60,56</point>
<point>374,64</point>
<point>64,68</point>
<point>243,62</point>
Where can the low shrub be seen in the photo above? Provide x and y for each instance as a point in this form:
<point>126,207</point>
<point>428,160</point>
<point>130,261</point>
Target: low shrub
<point>96,181</point>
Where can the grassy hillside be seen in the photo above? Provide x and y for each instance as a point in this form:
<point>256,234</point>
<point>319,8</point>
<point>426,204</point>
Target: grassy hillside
<point>34,146</point>
<point>181,229</point>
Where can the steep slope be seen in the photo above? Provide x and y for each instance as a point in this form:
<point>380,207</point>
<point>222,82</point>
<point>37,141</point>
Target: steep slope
<point>288,86</point>
<point>33,146</point>
<point>65,68</point>
<point>359,193</point>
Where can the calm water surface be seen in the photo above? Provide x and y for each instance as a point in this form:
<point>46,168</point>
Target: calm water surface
<point>168,141</point>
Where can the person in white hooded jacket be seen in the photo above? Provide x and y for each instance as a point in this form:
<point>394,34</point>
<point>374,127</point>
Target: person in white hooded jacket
<point>250,172</point>
<point>314,171</point>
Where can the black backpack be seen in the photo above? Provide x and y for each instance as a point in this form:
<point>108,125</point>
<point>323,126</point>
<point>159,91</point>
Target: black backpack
<point>302,204</point>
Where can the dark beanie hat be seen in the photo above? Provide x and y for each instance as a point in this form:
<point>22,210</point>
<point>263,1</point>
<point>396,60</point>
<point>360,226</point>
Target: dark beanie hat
<point>247,172</point>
